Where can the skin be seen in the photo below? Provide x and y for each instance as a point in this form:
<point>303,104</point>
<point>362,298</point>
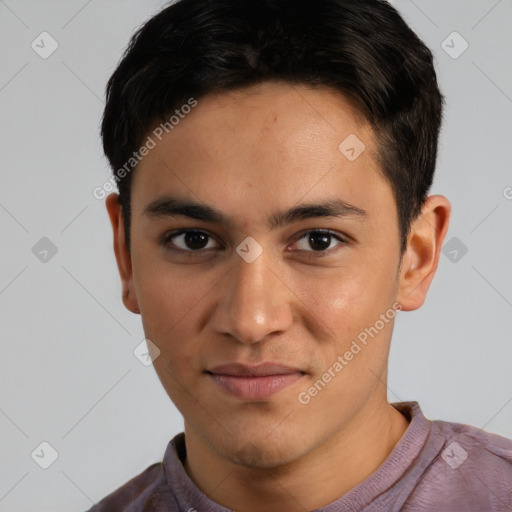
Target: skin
<point>251,153</point>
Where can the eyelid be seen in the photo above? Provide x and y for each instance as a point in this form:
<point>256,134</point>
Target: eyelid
<point>324,231</point>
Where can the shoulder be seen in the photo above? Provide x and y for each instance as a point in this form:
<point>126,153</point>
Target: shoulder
<point>464,442</point>
<point>146,491</point>
<point>472,469</point>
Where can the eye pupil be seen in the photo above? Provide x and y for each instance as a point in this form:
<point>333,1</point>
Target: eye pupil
<point>319,241</point>
<point>196,240</point>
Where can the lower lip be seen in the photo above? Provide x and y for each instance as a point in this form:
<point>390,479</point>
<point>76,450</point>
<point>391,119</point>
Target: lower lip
<point>254,388</point>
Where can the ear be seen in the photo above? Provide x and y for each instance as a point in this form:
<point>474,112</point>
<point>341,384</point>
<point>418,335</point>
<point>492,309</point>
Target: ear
<point>421,258</point>
<point>123,257</point>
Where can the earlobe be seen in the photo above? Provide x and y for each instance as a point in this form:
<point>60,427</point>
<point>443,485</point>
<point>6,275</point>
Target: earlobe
<point>130,301</point>
<point>123,257</point>
<point>421,258</point>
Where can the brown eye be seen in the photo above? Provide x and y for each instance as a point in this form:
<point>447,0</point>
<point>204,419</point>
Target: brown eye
<point>319,241</point>
<point>190,241</point>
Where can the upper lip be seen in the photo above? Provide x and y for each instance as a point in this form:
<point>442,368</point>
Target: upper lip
<point>259,370</point>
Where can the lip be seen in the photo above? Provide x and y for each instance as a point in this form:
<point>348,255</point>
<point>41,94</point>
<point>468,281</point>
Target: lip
<point>254,382</point>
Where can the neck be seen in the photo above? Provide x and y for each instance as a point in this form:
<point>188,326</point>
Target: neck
<point>320,477</point>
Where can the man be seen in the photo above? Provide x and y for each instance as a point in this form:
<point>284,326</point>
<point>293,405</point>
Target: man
<point>273,159</point>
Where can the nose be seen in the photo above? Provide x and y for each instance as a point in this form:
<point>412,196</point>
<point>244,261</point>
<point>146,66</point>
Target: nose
<point>254,302</point>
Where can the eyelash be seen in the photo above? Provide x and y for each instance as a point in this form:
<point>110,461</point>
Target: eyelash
<point>167,238</point>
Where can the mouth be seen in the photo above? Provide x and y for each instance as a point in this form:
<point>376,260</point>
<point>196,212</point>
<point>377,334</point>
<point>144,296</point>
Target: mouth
<point>254,382</point>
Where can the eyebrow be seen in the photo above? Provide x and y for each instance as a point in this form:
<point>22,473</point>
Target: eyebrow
<point>169,206</point>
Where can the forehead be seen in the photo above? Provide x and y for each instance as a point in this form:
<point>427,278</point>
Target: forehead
<point>263,145</point>
<point>273,112</point>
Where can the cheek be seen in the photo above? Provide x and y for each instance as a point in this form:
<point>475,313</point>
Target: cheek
<point>348,303</point>
<point>345,301</point>
<point>168,319</point>
<point>167,295</point>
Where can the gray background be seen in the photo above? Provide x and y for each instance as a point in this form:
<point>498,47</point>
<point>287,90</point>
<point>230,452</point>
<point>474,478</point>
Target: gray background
<point>68,375</point>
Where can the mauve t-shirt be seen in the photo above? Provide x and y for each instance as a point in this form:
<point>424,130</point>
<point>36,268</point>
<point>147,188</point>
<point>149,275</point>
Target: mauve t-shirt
<point>436,466</point>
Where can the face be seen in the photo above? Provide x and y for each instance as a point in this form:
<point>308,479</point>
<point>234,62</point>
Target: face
<point>260,252</point>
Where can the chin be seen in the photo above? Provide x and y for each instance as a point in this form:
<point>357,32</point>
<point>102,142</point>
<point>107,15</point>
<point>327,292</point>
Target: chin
<point>263,451</point>
<point>260,456</point>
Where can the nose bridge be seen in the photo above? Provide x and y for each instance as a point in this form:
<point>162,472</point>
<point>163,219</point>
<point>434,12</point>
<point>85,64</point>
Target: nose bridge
<point>253,303</point>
